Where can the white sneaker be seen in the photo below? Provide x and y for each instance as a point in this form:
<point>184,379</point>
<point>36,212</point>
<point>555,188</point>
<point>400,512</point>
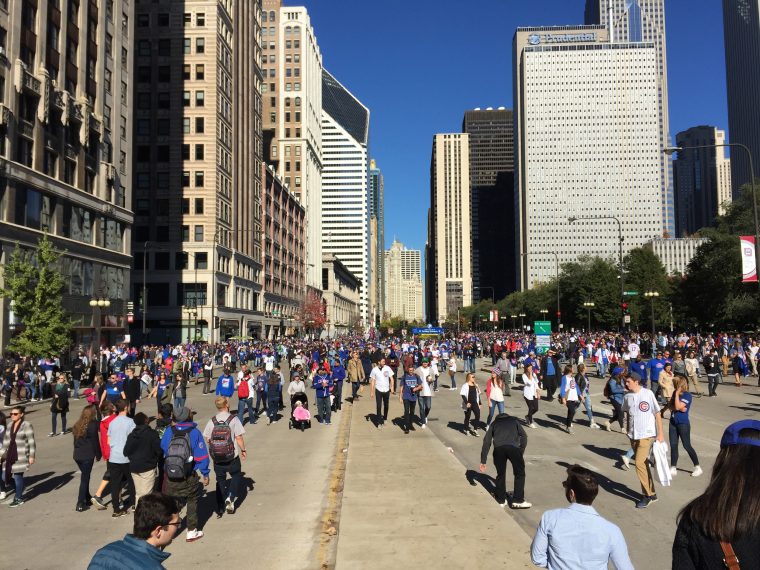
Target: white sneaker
<point>594,425</point>
<point>229,505</point>
<point>424,426</point>
<point>697,471</point>
<point>533,425</point>
<point>626,462</point>
<point>673,471</point>
<point>3,495</point>
<point>523,505</point>
<point>193,535</point>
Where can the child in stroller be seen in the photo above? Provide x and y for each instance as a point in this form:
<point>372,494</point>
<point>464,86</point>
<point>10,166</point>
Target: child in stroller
<point>300,417</point>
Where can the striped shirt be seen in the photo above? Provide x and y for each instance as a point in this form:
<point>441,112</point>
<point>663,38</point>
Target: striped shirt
<point>641,408</point>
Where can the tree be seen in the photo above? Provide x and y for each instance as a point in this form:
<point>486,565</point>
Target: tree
<point>645,272</point>
<point>590,279</point>
<point>35,286</point>
<point>313,312</point>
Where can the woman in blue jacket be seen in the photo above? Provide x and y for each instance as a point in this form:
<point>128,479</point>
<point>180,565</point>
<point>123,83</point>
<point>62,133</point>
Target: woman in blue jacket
<point>615,391</point>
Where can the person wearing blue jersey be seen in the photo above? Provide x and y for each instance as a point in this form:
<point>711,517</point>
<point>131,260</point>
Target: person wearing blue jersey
<point>639,366</point>
<point>323,384</point>
<point>655,367</point>
<point>225,385</point>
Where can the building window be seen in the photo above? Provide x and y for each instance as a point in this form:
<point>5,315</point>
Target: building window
<point>186,72</point>
<point>164,101</point>
<point>199,152</point>
<point>186,125</point>
<point>186,98</point>
<point>185,152</point>
<point>200,45</point>
<point>198,233</point>
<point>200,72</point>
<point>199,179</point>
<point>186,46</point>
<point>163,127</point>
<point>200,19</point>
<point>199,125</point>
<point>186,205</point>
<point>199,205</point>
<point>185,233</point>
<point>164,47</point>
<point>163,20</point>
<point>180,260</point>
<point>200,98</point>
<point>164,74</point>
<point>201,260</point>
<point>186,180</point>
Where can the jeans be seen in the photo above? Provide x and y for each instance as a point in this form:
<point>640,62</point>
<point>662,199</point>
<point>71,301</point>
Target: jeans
<point>206,383</point>
<point>602,367</point>
<point>224,489</point>
<point>712,384</point>
<point>119,473</point>
<point>338,393</point>
<point>491,409</point>
<point>382,398</point>
<point>244,403</point>
<point>260,402</point>
<point>589,411</point>
<point>617,412</point>
<point>354,390</point>
<point>409,406</point>
<point>572,406</point>
<point>425,403</point>
<point>515,456</point>
<point>179,403</point>
<point>505,380</point>
<point>682,432</point>
<point>54,419</point>
<point>452,377</point>
<point>655,386</point>
<point>85,466</point>
<point>77,382</point>
<point>532,408</point>
<point>323,409</point>
<point>273,405</point>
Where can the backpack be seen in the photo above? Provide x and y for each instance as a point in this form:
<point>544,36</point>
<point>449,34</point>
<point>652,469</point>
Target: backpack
<point>607,389</point>
<point>243,391</point>
<point>221,446</point>
<point>176,464</point>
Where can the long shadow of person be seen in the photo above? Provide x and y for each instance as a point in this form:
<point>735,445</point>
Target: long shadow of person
<point>608,452</point>
<point>486,481</point>
<point>456,426</point>
<point>41,487</point>
<point>373,418</point>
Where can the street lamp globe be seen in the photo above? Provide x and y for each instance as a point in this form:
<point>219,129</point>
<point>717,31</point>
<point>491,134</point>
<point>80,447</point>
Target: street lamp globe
<point>93,302</point>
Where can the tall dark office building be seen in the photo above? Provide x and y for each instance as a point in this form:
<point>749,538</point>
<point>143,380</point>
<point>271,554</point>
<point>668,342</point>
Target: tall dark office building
<point>492,169</point>
<point>702,178</point>
<point>741,27</point>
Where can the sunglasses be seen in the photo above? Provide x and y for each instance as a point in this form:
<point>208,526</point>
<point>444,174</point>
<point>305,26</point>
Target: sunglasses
<point>15,414</point>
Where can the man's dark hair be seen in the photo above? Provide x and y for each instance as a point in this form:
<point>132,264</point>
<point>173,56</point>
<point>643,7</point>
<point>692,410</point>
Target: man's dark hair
<point>121,405</point>
<point>583,483</point>
<point>153,510</point>
<point>166,410</point>
<point>141,419</point>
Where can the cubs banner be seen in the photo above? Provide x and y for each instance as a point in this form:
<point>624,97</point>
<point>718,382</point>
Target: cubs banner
<point>749,260</point>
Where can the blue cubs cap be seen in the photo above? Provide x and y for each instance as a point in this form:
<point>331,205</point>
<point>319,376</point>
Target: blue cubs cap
<point>731,435</point>
<point>618,370</point>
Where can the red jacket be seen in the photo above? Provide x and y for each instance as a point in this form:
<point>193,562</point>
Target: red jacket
<point>104,447</point>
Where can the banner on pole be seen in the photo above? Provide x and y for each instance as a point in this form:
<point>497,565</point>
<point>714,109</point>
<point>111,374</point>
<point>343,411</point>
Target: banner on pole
<point>493,316</point>
<point>749,259</point>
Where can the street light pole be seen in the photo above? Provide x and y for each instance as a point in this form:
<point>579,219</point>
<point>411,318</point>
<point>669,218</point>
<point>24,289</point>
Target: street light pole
<point>522,323</point>
<point>574,219</point>
<point>652,295</point>
<point>671,150</point>
<point>513,321</point>
<point>589,305</point>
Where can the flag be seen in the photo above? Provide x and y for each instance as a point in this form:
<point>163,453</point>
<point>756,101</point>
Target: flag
<point>749,261</point>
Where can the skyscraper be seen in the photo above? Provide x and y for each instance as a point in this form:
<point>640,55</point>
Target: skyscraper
<point>492,165</point>
<point>404,282</point>
<point>66,112</point>
<point>449,237</point>
<point>741,33</point>
<point>607,92</point>
<point>702,177</point>
<point>377,242</point>
<point>644,21</point>
<point>198,169</point>
<point>292,98</point>
<point>345,200</point>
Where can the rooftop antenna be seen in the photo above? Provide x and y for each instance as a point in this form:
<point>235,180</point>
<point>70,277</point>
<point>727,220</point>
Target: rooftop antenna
<point>610,21</point>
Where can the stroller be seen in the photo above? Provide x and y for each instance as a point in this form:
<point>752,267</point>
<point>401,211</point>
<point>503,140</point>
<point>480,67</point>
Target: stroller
<point>301,424</point>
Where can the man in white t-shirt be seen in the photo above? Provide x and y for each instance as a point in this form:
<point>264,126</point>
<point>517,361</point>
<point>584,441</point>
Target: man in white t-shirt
<point>425,397</point>
<point>380,388</point>
<point>644,425</point>
<point>633,350</point>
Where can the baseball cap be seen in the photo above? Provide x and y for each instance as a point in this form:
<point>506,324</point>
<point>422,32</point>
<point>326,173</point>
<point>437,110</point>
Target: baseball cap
<point>731,435</point>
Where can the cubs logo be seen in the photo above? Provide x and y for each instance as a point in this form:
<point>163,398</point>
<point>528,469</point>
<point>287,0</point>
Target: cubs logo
<point>644,406</point>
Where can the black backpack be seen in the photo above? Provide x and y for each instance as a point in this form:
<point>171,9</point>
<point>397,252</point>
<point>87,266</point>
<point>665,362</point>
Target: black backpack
<point>221,444</point>
<point>176,464</point>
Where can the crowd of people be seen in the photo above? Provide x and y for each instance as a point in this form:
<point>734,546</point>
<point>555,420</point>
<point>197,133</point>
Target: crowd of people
<point>646,380</point>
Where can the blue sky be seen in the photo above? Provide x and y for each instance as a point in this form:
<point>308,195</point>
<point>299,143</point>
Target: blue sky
<point>419,64</point>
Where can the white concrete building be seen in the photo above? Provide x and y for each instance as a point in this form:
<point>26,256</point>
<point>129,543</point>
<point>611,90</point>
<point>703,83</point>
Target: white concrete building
<point>675,254</point>
<point>345,176</point>
<point>292,101</point>
<point>403,293</point>
<point>449,227</point>
<point>588,138</point>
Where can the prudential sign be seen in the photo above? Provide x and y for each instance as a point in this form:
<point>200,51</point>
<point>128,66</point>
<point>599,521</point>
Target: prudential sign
<point>537,39</point>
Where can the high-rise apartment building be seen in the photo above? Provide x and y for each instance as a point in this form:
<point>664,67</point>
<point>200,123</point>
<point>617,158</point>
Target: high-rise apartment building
<point>377,243</point>
<point>741,34</point>
<point>492,165</point>
<point>404,283</point>
<point>197,168</point>
<point>292,97</point>
<point>65,151</point>
<point>449,237</point>
<point>702,177</point>
<point>597,153</point>
<point>636,21</point>
<point>345,199</point>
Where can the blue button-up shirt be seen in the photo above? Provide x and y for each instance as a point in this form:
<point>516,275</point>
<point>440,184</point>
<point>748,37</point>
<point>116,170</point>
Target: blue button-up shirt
<point>578,538</point>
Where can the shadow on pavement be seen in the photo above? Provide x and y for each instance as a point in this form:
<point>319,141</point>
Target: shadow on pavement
<point>373,419</point>
<point>486,481</point>
<point>42,484</point>
<point>608,452</point>
<point>746,409</point>
<point>612,487</point>
<point>556,422</point>
<point>456,426</point>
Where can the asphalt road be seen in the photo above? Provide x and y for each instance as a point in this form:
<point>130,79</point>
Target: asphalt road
<point>649,532</point>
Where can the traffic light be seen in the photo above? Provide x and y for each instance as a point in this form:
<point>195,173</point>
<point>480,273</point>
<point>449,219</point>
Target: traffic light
<point>625,306</point>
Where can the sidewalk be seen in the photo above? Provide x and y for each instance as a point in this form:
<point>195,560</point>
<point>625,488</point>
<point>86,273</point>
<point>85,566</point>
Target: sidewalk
<point>407,501</point>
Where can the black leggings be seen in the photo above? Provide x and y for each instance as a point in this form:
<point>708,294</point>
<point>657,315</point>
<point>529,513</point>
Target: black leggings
<point>617,413</point>
<point>382,398</point>
<point>572,406</point>
<point>682,432</point>
<point>532,408</point>
<point>474,409</point>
